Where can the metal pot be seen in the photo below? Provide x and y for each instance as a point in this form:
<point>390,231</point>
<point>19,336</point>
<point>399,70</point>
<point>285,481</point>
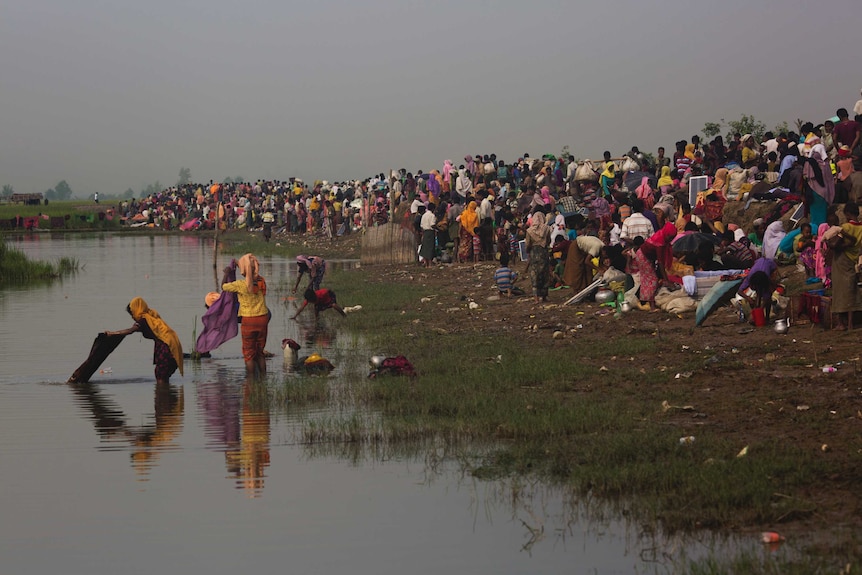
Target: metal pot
<point>626,307</point>
<point>605,295</point>
<point>781,326</point>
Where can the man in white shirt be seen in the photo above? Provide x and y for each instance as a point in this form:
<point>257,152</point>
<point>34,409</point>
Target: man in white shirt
<point>770,144</point>
<point>426,225</point>
<point>636,224</point>
<point>486,208</point>
<point>857,109</point>
<point>414,206</point>
<point>429,220</point>
<point>571,168</point>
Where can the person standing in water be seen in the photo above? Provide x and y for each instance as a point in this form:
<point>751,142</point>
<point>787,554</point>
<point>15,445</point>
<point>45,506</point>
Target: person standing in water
<point>167,349</point>
<point>251,293</point>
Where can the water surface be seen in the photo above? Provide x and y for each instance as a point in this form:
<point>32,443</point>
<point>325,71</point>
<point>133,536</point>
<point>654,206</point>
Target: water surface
<point>122,476</point>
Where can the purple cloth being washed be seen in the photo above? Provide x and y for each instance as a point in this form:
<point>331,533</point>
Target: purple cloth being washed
<point>220,320</point>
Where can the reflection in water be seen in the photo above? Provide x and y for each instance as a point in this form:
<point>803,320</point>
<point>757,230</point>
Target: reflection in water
<point>146,441</point>
<point>248,460</point>
<point>315,333</point>
<point>237,421</point>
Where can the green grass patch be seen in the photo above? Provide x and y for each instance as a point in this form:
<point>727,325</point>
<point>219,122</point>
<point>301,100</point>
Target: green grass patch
<point>548,410</point>
<point>17,269</point>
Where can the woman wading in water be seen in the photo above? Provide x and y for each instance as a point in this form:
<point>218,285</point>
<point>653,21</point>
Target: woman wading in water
<point>167,349</point>
<point>251,293</point>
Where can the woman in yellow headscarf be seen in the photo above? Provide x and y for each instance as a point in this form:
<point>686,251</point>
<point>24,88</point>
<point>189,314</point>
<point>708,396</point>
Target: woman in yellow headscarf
<point>607,179</point>
<point>469,219</point>
<point>665,182</point>
<point>167,349</point>
<point>251,293</point>
<point>689,151</point>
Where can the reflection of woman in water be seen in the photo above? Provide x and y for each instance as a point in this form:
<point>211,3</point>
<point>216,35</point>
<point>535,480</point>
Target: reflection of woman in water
<point>148,440</point>
<point>167,349</point>
<point>248,458</point>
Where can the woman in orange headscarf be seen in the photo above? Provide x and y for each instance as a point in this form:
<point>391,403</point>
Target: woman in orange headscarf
<point>251,293</point>
<point>167,349</point>
<point>469,219</point>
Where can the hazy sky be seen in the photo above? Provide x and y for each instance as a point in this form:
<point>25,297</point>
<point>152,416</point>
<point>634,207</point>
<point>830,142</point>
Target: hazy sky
<point>112,94</point>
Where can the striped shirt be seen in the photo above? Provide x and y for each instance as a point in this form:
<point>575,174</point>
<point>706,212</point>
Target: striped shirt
<point>636,225</point>
<point>504,277</point>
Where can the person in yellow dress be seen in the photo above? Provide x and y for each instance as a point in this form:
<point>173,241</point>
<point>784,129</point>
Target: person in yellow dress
<point>251,293</point>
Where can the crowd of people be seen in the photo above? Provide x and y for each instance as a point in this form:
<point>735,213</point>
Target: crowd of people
<point>625,218</point>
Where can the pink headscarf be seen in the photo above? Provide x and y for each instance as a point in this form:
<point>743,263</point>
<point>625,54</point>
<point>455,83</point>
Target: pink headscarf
<point>447,170</point>
<point>645,193</point>
<point>546,195</point>
<point>248,267</point>
<point>471,166</point>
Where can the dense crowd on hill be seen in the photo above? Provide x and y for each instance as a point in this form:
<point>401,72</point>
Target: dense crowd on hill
<point>575,218</point>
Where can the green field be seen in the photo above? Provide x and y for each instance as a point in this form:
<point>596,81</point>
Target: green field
<point>76,214</point>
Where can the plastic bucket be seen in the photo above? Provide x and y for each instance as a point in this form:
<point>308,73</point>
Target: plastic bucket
<point>759,316</point>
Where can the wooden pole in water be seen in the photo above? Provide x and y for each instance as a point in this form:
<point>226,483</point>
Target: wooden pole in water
<point>215,244</point>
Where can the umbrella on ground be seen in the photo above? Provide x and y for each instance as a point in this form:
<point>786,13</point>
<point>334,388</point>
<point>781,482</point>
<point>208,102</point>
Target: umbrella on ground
<point>719,294</point>
<point>689,242</point>
<point>633,179</point>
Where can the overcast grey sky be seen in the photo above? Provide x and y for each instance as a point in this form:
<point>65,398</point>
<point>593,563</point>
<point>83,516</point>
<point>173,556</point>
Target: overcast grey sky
<point>112,94</point>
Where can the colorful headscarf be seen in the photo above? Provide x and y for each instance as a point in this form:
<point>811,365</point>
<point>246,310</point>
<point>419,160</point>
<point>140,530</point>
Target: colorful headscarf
<point>470,165</point>
<point>470,218</point>
<point>211,298</point>
<point>447,171</point>
<point>665,179</point>
<point>140,310</point>
<point>609,170</point>
<point>249,268</point>
<point>644,191</point>
<point>689,151</point>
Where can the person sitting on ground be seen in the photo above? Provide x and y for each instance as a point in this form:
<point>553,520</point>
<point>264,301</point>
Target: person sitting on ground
<point>505,278</point>
<point>706,258</point>
<point>736,254</point>
<point>803,249</point>
<point>323,299</point>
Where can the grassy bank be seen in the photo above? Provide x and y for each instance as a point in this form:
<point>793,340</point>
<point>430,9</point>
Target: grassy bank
<point>592,415</point>
<point>17,269</point>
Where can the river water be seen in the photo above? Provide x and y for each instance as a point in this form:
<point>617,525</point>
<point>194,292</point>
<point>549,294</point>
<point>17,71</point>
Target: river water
<point>119,476</point>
